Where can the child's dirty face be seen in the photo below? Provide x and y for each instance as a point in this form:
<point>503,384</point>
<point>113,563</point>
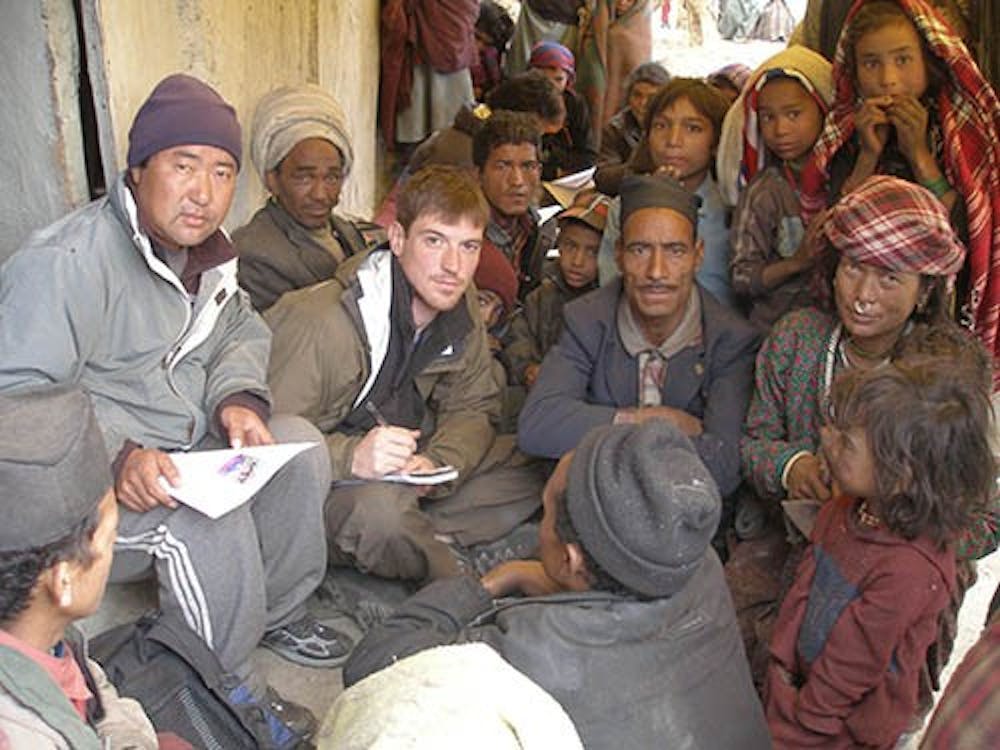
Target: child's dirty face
<point>490,306</point>
<point>789,117</point>
<point>849,457</point>
<point>578,248</point>
<point>681,141</point>
<point>890,61</point>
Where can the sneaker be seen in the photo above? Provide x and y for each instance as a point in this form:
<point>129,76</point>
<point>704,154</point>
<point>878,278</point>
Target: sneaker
<point>310,643</point>
<point>519,544</point>
<point>278,724</point>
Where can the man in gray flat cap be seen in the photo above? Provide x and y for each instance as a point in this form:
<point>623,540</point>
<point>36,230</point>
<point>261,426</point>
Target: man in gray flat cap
<point>629,624</point>
<point>301,149</point>
<point>134,298</point>
<point>651,344</point>
<point>60,519</point>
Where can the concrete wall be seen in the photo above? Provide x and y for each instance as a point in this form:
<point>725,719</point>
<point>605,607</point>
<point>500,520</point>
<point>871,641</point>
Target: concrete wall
<point>41,161</point>
<point>243,49</point>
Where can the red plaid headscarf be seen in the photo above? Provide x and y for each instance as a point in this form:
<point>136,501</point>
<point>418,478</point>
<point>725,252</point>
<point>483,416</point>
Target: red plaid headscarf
<point>970,124</point>
<point>896,225</point>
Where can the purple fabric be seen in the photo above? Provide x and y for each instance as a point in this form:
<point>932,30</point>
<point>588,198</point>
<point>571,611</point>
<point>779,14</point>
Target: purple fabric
<point>182,110</point>
<point>553,55</point>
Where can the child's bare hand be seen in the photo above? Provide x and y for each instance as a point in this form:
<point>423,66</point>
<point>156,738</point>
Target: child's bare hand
<point>806,479</point>
<point>872,123</point>
<point>910,119</point>
<point>526,577</point>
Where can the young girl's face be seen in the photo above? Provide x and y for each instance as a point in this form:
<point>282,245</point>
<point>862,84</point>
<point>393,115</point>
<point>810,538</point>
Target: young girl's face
<point>681,139</point>
<point>790,119</point>
<point>890,62</point>
<point>849,457</point>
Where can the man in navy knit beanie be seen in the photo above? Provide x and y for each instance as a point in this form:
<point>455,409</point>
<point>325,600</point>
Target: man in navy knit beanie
<point>134,298</point>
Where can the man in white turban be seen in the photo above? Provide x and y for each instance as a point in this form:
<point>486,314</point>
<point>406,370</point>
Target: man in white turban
<point>300,148</point>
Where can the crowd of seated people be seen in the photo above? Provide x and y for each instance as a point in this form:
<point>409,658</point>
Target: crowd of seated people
<point>718,431</point>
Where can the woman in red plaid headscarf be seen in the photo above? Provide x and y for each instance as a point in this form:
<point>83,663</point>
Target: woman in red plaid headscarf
<point>886,261</point>
<point>910,101</point>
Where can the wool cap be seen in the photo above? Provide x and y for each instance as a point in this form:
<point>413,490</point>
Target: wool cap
<point>896,225</point>
<point>496,274</point>
<point>289,115</point>
<point>54,468</point>
<point>590,207</point>
<point>643,504</point>
<point>180,111</point>
<point>656,191</point>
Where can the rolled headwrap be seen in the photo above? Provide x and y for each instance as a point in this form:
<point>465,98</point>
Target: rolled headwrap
<point>896,225</point>
<point>550,54</point>
<point>290,114</point>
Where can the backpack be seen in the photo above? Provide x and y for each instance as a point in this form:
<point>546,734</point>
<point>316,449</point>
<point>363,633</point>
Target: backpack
<point>162,663</point>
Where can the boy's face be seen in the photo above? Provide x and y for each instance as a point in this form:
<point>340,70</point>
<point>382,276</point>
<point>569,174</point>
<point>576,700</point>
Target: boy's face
<point>849,457</point>
<point>681,141</point>
<point>553,551</point>
<point>88,582</point>
<point>558,76</point>
<point>890,62</point>
<point>578,246</point>
<point>490,307</point>
<point>790,119</point>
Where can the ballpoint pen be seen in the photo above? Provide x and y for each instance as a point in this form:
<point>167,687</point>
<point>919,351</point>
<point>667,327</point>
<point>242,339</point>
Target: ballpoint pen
<point>376,414</point>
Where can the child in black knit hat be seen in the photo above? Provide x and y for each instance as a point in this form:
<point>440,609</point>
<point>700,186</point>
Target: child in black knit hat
<point>626,619</point>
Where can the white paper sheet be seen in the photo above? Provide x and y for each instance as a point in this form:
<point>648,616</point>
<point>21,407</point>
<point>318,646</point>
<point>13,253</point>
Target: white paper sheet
<point>215,482</point>
<point>439,475</point>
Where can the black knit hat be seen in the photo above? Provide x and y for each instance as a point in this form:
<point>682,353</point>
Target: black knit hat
<point>182,111</point>
<point>643,504</point>
<point>54,468</point>
<point>656,191</point>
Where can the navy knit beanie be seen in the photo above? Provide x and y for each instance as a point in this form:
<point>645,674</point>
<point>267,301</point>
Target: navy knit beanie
<point>182,110</point>
<point>643,504</point>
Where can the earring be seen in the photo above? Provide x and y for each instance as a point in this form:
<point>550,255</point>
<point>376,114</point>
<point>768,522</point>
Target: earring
<point>66,597</point>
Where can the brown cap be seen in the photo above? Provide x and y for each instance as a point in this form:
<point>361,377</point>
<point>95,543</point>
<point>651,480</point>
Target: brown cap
<point>590,207</point>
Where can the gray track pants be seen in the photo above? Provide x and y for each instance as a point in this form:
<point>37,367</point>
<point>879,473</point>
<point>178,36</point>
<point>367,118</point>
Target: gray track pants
<point>250,571</point>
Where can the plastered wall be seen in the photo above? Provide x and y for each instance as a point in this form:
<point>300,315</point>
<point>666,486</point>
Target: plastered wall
<point>244,49</point>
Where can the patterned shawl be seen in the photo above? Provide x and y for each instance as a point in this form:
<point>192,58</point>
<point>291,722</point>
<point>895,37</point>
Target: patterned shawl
<point>970,123</point>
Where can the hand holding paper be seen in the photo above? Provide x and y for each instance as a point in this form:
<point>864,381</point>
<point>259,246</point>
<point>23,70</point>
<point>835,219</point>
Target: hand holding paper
<point>215,482</point>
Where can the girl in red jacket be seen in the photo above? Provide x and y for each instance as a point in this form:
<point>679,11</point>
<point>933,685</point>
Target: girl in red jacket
<point>908,450</point>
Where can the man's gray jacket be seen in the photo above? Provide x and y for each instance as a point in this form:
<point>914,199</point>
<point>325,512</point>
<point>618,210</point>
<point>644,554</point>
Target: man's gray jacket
<point>86,301</point>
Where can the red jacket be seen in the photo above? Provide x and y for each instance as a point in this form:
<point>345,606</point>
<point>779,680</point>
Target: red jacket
<point>853,633</point>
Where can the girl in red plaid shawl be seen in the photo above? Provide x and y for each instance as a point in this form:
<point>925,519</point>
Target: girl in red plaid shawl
<point>910,101</point>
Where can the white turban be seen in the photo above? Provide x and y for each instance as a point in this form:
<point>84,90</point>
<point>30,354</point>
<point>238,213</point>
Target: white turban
<point>288,115</point>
